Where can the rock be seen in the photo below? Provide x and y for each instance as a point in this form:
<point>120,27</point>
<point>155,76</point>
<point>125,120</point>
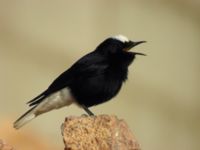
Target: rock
<point>102,132</point>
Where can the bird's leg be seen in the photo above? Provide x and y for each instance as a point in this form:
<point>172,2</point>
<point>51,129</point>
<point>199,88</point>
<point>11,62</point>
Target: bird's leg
<point>87,110</point>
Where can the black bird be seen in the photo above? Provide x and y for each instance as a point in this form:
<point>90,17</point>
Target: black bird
<point>94,79</point>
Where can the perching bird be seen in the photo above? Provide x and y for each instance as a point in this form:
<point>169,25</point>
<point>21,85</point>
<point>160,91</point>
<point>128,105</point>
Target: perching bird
<point>94,79</point>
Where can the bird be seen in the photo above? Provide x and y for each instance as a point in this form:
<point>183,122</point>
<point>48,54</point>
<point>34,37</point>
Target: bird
<point>95,78</point>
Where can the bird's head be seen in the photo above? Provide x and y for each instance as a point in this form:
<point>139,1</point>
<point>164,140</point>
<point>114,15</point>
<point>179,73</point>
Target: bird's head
<point>118,44</point>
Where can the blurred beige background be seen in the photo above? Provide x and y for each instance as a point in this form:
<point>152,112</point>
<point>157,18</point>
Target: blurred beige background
<point>160,100</point>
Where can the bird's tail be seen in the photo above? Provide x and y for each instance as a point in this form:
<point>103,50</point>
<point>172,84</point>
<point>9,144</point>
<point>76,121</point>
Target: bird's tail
<point>25,118</point>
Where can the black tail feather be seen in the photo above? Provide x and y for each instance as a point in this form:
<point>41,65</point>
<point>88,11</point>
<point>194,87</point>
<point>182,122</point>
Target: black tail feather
<point>37,99</point>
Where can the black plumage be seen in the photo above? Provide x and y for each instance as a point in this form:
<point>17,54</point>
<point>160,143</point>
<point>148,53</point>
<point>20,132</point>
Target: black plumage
<point>96,77</point>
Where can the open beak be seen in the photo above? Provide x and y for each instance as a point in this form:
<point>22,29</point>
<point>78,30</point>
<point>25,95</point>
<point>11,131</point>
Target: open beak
<point>132,44</point>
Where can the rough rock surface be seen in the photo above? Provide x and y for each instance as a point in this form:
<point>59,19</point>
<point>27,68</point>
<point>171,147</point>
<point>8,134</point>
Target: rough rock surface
<point>102,132</point>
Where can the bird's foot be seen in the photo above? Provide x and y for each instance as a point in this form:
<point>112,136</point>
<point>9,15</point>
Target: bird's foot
<point>90,113</point>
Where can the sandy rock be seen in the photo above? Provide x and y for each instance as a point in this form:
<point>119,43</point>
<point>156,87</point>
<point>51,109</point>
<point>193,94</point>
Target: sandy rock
<point>103,132</point>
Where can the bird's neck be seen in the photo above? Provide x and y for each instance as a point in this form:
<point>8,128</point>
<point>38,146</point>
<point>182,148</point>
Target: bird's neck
<point>119,65</point>
<point>122,60</point>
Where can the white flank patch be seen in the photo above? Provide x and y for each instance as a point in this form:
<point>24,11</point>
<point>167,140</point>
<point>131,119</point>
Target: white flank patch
<point>121,38</point>
<point>55,101</point>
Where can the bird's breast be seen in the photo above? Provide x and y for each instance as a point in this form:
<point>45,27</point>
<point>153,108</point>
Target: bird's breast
<point>97,89</point>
